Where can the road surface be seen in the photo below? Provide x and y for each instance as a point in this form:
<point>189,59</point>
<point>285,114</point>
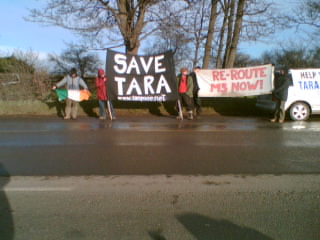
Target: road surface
<point>159,179</point>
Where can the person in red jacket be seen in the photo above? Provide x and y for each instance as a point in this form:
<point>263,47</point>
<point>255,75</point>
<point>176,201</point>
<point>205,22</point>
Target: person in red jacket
<point>185,91</point>
<point>102,97</point>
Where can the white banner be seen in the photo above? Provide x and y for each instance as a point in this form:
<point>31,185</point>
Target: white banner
<point>235,82</point>
<point>306,79</point>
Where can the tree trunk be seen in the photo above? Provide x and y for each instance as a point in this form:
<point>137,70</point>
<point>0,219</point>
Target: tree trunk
<point>130,22</point>
<point>221,37</point>
<point>208,46</point>
<point>232,48</point>
<point>198,28</point>
<point>230,11</point>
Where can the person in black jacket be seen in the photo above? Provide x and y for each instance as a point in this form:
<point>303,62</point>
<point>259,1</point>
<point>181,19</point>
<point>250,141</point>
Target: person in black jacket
<point>196,99</point>
<point>280,95</point>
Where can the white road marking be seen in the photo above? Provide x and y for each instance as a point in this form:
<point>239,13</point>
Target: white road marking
<point>141,144</point>
<point>37,189</point>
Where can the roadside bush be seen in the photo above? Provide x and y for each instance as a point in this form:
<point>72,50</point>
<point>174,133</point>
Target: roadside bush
<point>24,86</point>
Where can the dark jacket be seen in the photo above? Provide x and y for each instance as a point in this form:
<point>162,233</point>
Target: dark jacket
<point>195,83</point>
<point>189,84</point>
<point>281,85</point>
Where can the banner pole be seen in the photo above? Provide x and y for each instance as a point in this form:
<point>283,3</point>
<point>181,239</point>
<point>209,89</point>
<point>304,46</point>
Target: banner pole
<point>180,110</point>
<point>109,110</point>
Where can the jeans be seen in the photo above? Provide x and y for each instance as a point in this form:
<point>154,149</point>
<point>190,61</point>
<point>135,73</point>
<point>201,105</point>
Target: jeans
<point>102,108</point>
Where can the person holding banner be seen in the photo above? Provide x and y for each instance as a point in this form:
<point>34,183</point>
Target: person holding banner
<point>72,82</point>
<point>196,99</point>
<point>280,95</point>
<point>100,82</point>
<point>185,92</point>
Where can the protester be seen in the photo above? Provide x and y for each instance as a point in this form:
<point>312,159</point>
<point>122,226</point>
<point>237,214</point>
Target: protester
<point>280,95</point>
<point>72,82</point>
<point>196,99</point>
<point>101,81</point>
<point>185,92</point>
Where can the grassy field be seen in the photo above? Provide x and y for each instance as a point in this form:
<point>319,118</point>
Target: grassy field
<point>32,95</point>
<point>211,106</point>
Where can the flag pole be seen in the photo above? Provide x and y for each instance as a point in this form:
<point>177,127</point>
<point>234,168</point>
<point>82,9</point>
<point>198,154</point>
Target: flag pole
<point>109,110</point>
<point>180,110</point>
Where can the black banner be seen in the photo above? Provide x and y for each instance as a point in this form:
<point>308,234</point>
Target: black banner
<point>141,78</point>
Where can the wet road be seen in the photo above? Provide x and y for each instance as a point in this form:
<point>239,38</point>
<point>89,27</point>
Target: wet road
<point>158,145</point>
<point>159,179</point>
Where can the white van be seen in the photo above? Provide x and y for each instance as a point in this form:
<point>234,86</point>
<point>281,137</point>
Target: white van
<point>303,96</point>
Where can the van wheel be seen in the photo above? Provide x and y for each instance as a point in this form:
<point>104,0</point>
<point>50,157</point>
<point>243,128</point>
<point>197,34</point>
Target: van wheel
<point>299,111</point>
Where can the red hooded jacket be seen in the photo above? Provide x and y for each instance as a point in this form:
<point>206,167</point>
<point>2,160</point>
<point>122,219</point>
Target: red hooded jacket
<point>100,82</point>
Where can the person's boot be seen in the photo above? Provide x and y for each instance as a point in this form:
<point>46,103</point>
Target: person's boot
<point>190,115</point>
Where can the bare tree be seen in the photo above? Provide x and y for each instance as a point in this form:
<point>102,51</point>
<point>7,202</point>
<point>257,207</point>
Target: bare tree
<point>308,13</point>
<point>293,55</point>
<point>234,28</point>
<point>209,40</point>
<point>306,17</point>
<point>181,31</point>
<point>97,20</point>
<point>221,36</point>
<point>236,21</point>
<point>178,23</point>
<point>112,23</point>
<point>73,57</point>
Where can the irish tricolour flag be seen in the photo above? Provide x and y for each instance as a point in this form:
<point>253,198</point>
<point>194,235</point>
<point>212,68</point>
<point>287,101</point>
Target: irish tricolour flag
<point>75,95</point>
